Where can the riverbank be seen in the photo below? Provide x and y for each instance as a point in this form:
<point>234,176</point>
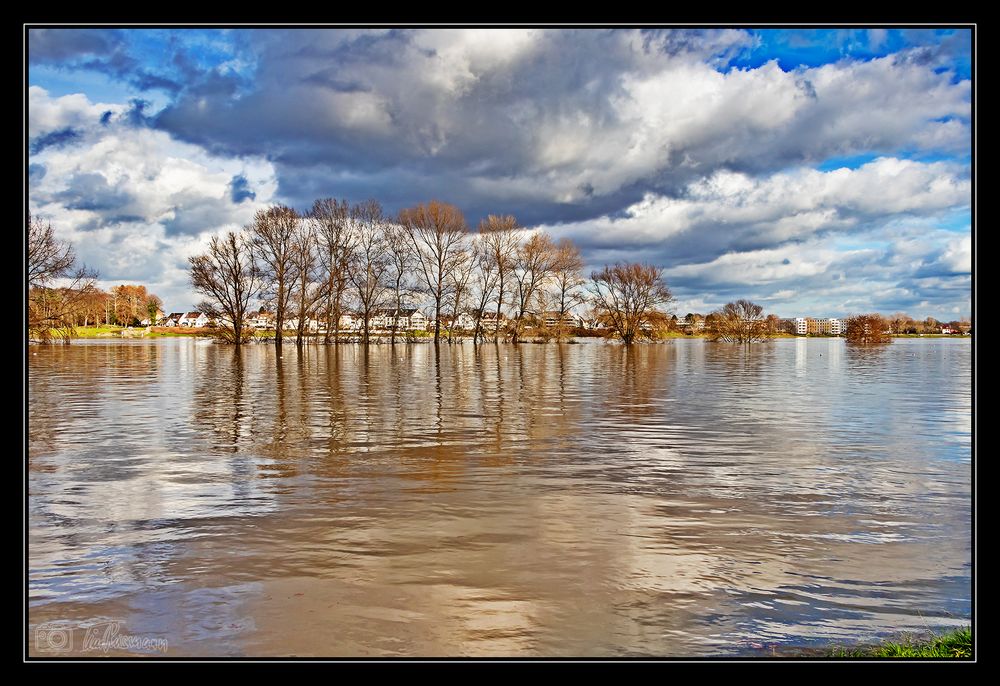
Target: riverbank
<point>175,332</point>
<point>953,644</point>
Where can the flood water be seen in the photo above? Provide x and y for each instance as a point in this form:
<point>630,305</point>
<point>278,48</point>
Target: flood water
<point>679,499</point>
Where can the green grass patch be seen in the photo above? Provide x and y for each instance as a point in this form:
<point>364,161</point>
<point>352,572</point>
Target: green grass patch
<point>954,644</point>
<point>97,331</point>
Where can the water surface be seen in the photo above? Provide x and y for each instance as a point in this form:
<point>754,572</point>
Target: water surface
<point>687,498</point>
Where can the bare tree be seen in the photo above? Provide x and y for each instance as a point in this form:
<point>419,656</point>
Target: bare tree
<point>437,231</point>
<point>740,321</point>
<point>402,262</point>
<point>370,262</point>
<point>501,235</point>
<point>332,221</point>
<point>867,330</point>
<point>534,263</point>
<point>311,281</point>
<point>48,257</point>
<point>568,280</point>
<point>629,297</point>
<point>52,311</point>
<point>273,232</point>
<point>229,278</point>
<point>486,280</point>
<point>459,278</point>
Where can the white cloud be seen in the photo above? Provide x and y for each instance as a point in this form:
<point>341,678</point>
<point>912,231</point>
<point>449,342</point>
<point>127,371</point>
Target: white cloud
<point>958,255</point>
<point>727,208</point>
<point>134,202</point>
<point>47,114</point>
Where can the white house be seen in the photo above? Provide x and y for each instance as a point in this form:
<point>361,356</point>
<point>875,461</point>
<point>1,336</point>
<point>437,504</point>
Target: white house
<point>261,321</point>
<point>194,319</point>
<point>413,319</point>
<point>349,321</point>
<point>465,322</point>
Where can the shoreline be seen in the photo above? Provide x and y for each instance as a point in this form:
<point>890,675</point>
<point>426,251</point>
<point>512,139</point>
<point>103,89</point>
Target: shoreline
<point>115,332</point>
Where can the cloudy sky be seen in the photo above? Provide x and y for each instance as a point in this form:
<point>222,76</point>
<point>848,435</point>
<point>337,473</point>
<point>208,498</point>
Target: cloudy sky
<point>820,172</point>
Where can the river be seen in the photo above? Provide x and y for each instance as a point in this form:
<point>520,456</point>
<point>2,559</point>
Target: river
<point>678,499</point>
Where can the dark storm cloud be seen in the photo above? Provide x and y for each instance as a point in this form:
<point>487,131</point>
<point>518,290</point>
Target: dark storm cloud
<point>552,126</point>
<point>60,45</point>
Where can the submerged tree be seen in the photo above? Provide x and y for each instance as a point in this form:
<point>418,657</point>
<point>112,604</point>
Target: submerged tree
<point>567,280</point>
<point>500,236</point>
<point>438,233</point>
<point>370,261</point>
<point>336,239</point>
<point>273,231</point>
<point>740,322</point>
<point>486,280</point>
<point>533,264</point>
<point>228,276</point>
<point>400,272</point>
<point>310,273</point>
<point>867,330</point>
<point>629,297</point>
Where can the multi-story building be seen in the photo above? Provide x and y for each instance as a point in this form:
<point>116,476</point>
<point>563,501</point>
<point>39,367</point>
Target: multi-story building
<point>807,326</point>
<point>551,320</point>
<point>692,323</point>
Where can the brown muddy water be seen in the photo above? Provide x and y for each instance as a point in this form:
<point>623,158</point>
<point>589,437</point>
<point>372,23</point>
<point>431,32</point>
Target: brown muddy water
<point>680,499</point>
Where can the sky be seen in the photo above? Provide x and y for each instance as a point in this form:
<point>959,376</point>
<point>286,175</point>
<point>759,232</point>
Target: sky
<point>819,172</point>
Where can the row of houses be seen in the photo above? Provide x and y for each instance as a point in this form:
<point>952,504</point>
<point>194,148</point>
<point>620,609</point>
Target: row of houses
<point>187,319</point>
<point>404,319</point>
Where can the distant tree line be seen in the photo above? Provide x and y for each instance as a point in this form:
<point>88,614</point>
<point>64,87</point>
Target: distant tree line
<point>901,323</point>
<point>339,258</point>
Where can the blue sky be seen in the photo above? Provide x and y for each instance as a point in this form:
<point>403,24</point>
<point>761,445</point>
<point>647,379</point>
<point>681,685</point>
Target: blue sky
<point>818,171</point>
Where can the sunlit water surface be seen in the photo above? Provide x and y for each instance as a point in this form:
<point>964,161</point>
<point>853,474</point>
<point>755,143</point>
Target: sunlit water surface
<point>685,498</point>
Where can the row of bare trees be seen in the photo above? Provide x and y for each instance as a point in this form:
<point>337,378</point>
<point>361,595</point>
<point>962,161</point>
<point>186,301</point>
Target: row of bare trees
<point>339,256</point>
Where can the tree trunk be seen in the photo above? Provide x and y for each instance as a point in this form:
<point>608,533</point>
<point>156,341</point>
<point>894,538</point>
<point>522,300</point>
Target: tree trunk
<point>437,318</point>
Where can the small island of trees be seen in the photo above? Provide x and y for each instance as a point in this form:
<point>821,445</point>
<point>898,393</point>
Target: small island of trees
<point>867,330</point>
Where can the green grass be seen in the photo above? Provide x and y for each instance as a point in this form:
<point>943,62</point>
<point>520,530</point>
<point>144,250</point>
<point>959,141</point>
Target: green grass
<point>93,331</point>
<point>954,644</point>
<point>164,334</point>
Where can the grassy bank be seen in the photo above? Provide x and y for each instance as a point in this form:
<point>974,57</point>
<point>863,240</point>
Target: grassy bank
<point>953,644</point>
<point>97,331</point>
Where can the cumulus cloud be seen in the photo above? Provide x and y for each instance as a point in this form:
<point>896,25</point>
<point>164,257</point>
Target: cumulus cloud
<point>797,236</point>
<point>131,198</point>
<point>737,211</point>
<point>552,122</point>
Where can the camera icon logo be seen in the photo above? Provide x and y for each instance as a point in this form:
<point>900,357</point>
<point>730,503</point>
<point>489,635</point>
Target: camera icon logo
<point>53,638</point>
